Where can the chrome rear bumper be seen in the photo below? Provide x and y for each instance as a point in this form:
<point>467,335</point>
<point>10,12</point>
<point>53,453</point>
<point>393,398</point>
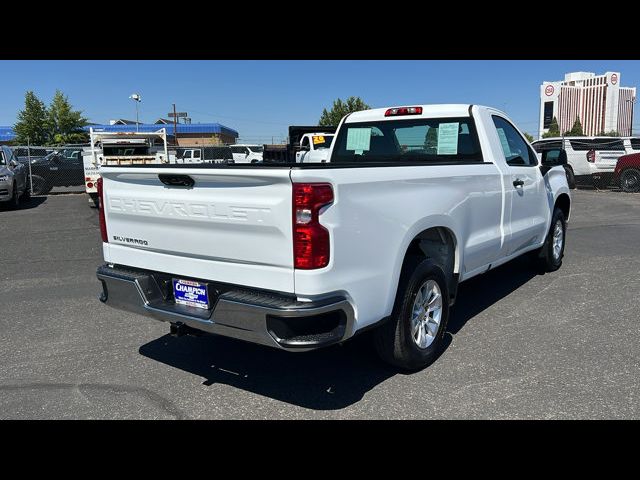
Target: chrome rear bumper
<point>275,320</point>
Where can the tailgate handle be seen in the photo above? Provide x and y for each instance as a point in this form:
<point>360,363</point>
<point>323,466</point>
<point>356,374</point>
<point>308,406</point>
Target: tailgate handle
<point>176,180</point>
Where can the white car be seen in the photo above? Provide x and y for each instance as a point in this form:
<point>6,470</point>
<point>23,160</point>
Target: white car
<point>247,153</point>
<point>412,201</point>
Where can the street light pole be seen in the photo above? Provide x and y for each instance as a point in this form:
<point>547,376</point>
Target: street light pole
<point>136,98</point>
<point>632,101</point>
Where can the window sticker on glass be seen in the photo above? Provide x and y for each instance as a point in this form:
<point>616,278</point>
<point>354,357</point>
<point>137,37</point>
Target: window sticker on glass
<point>318,139</point>
<point>448,138</point>
<point>359,139</point>
<point>504,142</point>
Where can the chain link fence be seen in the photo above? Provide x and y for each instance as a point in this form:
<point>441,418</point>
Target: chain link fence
<point>52,169</point>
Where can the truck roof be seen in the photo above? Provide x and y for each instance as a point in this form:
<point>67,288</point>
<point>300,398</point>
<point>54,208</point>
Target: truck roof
<point>428,111</point>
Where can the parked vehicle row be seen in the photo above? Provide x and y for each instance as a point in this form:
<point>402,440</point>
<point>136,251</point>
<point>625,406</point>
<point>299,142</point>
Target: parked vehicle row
<point>411,201</point>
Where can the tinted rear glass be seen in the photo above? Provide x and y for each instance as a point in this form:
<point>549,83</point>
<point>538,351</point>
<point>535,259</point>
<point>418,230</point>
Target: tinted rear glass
<point>605,144</point>
<point>434,140</point>
<point>635,143</point>
<point>550,145</point>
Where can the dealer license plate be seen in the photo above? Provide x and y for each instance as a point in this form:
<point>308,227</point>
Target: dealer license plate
<point>190,293</point>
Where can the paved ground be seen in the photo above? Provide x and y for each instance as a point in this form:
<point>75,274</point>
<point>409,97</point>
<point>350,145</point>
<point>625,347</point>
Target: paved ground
<point>520,345</point>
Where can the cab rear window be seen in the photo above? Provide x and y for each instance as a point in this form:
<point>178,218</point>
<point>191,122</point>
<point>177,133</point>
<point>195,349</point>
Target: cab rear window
<point>435,140</point>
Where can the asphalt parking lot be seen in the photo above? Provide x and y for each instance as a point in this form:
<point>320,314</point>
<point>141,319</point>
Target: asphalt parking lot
<point>520,345</point>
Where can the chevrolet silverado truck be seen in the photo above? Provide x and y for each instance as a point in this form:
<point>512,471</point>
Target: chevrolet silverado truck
<point>411,202</point>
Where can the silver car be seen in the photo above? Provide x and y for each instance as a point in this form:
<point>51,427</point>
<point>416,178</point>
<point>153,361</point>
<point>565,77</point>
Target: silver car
<point>13,179</point>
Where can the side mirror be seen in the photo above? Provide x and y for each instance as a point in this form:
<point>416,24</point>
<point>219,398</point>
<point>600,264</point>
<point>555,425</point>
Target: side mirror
<point>13,163</point>
<point>305,148</point>
<point>554,157</point>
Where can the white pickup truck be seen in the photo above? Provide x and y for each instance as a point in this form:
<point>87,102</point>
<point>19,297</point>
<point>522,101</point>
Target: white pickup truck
<point>413,201</point>
<point>314,147</point>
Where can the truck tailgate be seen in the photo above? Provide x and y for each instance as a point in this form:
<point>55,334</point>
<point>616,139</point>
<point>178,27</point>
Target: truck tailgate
<point>232,225</point>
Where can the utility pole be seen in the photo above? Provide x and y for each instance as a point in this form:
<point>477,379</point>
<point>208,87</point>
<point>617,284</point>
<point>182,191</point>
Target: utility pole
<point>175,127</point>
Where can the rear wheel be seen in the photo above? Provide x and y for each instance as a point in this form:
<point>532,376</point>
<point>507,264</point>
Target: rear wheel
<point>630,180</point>
<point>549,257</point>
<point>413,337</point>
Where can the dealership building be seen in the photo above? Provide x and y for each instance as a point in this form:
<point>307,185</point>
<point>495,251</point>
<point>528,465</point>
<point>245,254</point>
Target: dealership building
<point>600,102</point>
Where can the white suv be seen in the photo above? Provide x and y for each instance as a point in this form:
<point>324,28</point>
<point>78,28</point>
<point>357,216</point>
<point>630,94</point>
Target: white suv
<point>590,159</point>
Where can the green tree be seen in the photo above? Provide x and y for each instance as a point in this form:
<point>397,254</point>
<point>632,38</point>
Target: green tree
<point>576,130</point>
<point>528,137</point>
<point>554,129</point>
<point>32,121</point>
<point>64,124</point>
<point>611,133</point>
<point>340,109</point>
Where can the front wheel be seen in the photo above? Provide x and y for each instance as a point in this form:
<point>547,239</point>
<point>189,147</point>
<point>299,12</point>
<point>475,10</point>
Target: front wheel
<point>630,180</point>
<point>413,337</point>
<point>549,257</point>
<point>14,203</point>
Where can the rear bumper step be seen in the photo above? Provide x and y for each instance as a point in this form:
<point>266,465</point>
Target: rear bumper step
<point>275,320</point>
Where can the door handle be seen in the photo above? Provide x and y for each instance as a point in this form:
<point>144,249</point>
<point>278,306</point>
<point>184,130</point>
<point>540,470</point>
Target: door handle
<point>518,183</point>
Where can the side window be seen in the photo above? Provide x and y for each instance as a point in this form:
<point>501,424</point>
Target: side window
<point>514,147</point>
<point>305,143</point>
<point>196,154</point>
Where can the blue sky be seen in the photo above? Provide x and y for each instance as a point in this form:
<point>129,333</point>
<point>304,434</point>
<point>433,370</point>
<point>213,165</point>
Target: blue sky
<point>260,99</point>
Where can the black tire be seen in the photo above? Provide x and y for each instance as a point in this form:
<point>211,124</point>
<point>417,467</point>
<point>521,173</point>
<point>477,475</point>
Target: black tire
<point>14,203</point>
<point>394,340</point>
<point>630,180</point>
<point>40,185</point>
<point>571,178</point>
<point>94,201</point>
<point>26,195</point>
<point>545,258</point>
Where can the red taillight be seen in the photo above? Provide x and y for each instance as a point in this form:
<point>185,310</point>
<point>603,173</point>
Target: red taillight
<point>392,112</point>
<point>591,156</point>
<point>310,239</point>
<point>89,185</point>
<point>103,223</point>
